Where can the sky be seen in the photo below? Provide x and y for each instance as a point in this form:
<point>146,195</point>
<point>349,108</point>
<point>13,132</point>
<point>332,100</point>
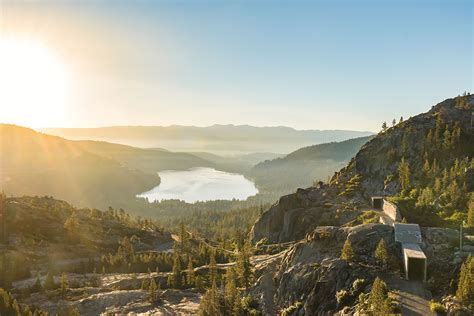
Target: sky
<point>303,64</point>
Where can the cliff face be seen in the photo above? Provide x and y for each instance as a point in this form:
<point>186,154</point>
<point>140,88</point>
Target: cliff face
<point>297,214</point>
<point>373,171</point>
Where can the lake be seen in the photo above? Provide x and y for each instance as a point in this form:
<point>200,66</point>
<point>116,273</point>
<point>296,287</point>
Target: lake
<point>200,184</point>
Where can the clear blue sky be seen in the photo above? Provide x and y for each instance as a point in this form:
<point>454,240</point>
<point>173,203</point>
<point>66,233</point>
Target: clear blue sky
<point>309,65</point>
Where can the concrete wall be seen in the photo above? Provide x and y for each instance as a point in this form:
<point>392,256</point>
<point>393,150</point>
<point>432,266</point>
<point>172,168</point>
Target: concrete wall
<point>392,211</point>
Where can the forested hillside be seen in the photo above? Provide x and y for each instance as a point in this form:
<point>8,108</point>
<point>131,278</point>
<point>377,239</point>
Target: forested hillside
<point>425,163</point>
<point>303,167</point>
<point>37,164</point>
<point>148,160</point>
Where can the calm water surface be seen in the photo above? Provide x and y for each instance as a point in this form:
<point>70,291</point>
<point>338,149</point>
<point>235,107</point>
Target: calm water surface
<point>201,184</point>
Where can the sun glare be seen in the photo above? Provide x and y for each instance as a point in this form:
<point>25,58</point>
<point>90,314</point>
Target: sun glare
<point>33,84</point>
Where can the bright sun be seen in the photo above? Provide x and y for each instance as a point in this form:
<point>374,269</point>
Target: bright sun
<point>33,84</point>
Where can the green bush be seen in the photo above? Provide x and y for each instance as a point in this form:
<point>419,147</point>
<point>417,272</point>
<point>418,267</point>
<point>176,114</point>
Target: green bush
<point>291,309</point>
<point>437,307</point>
<point>358,285</point>
<point>341,296</point>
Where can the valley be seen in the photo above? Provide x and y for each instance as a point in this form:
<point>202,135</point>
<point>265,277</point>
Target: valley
<point>313,251</point>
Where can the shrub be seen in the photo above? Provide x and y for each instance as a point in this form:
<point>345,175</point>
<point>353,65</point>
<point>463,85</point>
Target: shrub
<point>358,284</point>
<point>291,309</point>
<point>249,303</point>
<point>341,296</point>
<point>437,307</point>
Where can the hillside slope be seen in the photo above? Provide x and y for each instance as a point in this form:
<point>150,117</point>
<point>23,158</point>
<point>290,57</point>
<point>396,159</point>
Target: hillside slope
<point>304,166</point>
<point>44,232</point>
<point>32,163</point>
<point>148,160</point>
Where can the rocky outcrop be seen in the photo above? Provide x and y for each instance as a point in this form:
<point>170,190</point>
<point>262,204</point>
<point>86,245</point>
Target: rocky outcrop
<point>311,271</point>
<point>297,214</point>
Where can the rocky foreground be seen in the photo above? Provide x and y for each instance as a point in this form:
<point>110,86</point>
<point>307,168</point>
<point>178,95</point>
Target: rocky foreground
<point>96,294</point>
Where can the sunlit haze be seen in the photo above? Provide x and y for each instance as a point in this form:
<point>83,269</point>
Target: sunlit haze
<point>308,65</point>
<point>34,83</point>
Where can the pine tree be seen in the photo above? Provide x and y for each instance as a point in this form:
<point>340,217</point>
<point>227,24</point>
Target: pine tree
<point>378,299</point>
<point>465,291</point>
<point>183,236</point>
<point>381,253</point>
<point>456,135</point>
<point>401,119</point>
<point>49,283</point>
<point>470,211</point>
<point>404,175</point>
<point>384,126</point>
<point>64,283</point>
<point>439,131</point>
<point>176,272</point>
<point>190,272</point>
<point>153,291</point>
<point>394,122</point>
<point>347,253</point>
<point>426,171</point>
<point>231,291</point>
<point>71,225</point>
<point>212,266</point>
<point>429,141</point>
<point>447,139</point>
<point>243,265</point>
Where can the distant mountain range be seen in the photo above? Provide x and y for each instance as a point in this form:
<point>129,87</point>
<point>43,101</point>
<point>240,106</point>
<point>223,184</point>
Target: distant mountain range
<point>220,139</point>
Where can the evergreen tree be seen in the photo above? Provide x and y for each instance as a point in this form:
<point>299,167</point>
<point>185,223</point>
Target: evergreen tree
<point>183,237</point>
<point>429,141</point>
<point>470,211</point>
<point>404,175</point>
<point>231,291</point>
<point>71,225</point>
<point>210,303</point>
<point>243,265</point>
<point>426,198</point>
<point>153,291</point>
<point>384,126</point>
<point>394,122</point>
<point>456,135</point>
<point>447,139</point>
<point>381,253</point>
<point>176,273</point>
<point>347,253</point>
<point>212,266</point>
<point>49,283</point>
<point>190,272</point>
<point>378,298</point>
<point>465,291</point>
<point>64,283</point>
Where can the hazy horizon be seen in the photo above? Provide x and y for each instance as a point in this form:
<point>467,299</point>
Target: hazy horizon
<point>307,65</point>
<point>197,126</point>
